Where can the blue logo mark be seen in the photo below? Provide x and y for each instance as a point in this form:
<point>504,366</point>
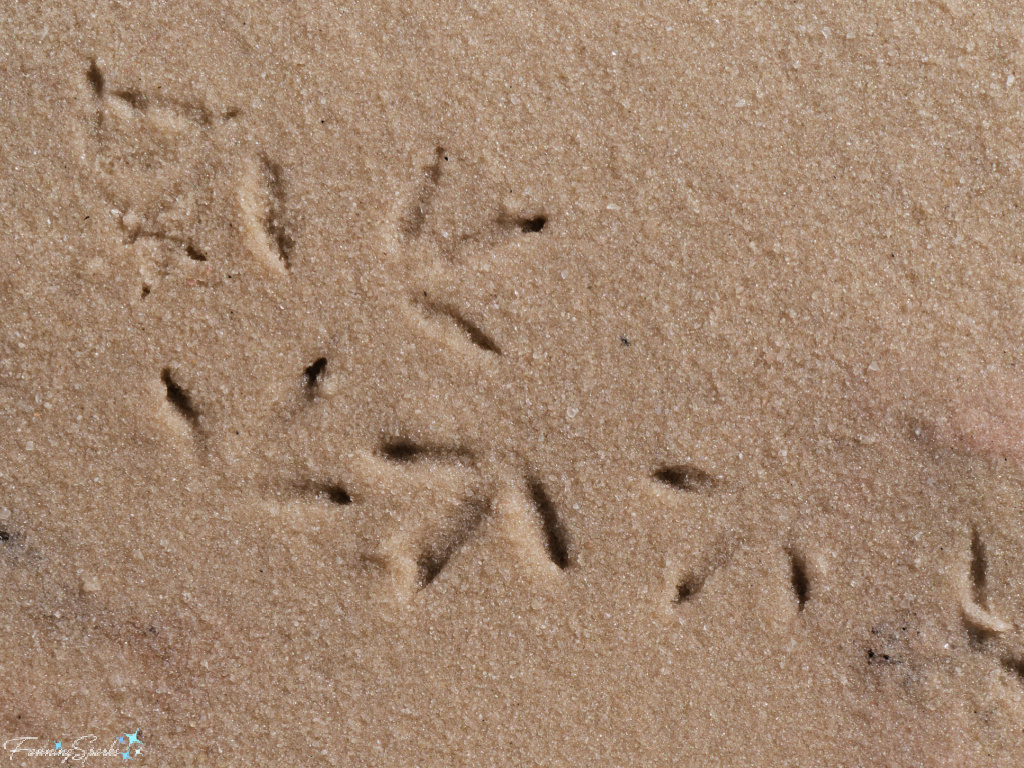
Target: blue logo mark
<point>133,738</point>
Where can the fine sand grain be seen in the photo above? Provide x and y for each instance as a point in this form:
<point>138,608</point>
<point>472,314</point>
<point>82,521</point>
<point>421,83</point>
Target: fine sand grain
<point>512,384</point>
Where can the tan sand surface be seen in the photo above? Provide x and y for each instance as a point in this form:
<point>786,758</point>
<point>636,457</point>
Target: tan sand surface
<point>512,384</point>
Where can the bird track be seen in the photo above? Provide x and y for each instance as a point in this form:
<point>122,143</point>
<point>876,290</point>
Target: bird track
<point>179,138</point>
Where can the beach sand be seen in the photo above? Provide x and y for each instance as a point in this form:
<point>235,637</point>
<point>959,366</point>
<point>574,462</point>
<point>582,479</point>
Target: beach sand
<point>513,384</point>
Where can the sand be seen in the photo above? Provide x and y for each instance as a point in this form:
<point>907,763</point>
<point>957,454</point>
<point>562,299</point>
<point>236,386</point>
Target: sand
<point>512,384</point>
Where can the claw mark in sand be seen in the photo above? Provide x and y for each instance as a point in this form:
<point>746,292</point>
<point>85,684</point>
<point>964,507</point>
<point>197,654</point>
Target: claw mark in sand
<point>336,493</point>
<point>134,234</point>
<point>262,200</point>
<point>439,548</point>
<point>687,477</point>
<point>688,587</point>
<point>406,451</point>
<point>325,490</point>
<point>500,229</point>
<point>196,112</point>
<point>1015,666</point>
<point>96,79</point>
<point>979,570</point>
<point>274,222</point>
<point>799,579</point>
<point>313,377</point>
<point>523,224</point>
<point>981,623</point>
<point>445,313</point>
<point>556,540</point>
<point>180,401</point>
<point>412,224</point>
<point>688,584</point>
